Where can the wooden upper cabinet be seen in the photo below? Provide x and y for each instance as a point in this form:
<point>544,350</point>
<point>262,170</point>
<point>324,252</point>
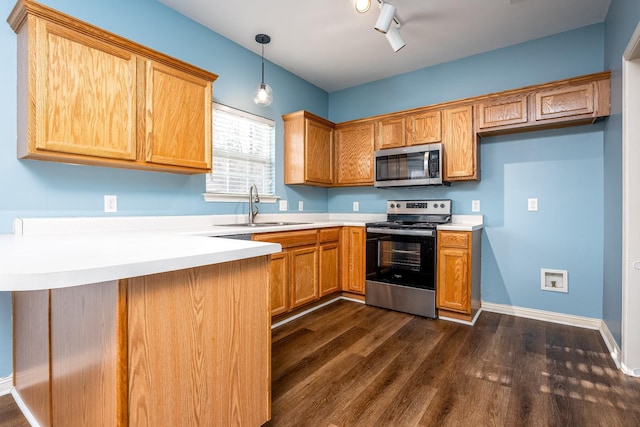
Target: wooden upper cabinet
<point>308,149</point>
<point>91,97</point>
<point>564,102</point>
<point>178,117</point>
<point>82,100</point>
<point>354,153</point>
<point>501,112</point>
<point>577,101</point>
<point>460,144</point>
<point>424,127</point>
<point>391,133</point>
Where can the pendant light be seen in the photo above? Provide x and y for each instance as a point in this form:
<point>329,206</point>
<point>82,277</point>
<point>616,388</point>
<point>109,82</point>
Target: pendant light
<point>264,95</point>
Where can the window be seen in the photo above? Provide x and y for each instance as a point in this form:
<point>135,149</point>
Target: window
<point>243,154</point>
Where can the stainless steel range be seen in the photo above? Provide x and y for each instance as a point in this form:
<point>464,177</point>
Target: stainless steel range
<point>401,256</point>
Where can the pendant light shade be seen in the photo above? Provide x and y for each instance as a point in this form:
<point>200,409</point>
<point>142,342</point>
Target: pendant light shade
<point>264,94</point>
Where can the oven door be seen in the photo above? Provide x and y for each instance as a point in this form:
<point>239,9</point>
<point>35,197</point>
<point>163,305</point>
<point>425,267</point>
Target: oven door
<point>400,259</point>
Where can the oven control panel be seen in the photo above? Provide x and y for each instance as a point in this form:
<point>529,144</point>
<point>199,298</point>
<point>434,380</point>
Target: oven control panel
<point>421,207</point>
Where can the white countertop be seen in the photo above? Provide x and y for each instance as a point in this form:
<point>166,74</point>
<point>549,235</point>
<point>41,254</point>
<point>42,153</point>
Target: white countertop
<point>35,262</point>
<point>49,253</point>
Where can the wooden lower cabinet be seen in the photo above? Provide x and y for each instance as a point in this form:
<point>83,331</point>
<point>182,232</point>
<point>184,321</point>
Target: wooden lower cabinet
<point>353,243</point>
<point>188,347</point>
<point>279,283</point>
<point>307,269</point>
<point>304,275</point>
<point>329,278</point>
<point>458,274</point>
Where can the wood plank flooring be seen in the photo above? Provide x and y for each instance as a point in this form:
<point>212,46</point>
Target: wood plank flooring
<point>10,415</point>
<point>348,364</point>
<point>353,365</point>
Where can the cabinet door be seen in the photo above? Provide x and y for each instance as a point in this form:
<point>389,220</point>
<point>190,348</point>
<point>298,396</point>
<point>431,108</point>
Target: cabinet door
<point>83,97</point>
<point>424,128</point>
<point>460,144</point>
<point>319,153</point>
<point>178,118</point>
<point>353,258</point>
<point>329,268</point>
<point>565,102</point>
<point>391,133</point>
<point>502,112</point>
<point>304,275</point>
<point>453,291</point>
<point>354,153</point>
<point>279,283</point>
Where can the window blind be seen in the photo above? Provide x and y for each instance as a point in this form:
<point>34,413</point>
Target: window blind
<point>243,153</point>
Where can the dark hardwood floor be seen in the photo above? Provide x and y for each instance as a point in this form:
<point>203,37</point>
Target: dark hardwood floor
<point>348,364</point>
<point>353,365</point>
<point>10,415</point>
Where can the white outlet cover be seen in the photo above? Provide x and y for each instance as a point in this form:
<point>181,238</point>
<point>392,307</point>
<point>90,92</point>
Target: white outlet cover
<point>283,205</point>
<point>532,205</point>
<point>356,206</point>
<point>110,203</point>
<point>475,206</point>
<point>300,205</point>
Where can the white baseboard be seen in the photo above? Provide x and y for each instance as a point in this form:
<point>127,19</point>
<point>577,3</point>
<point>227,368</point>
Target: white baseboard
<point>614,350</point>
<point>25,410</point>
<point>6,384</point>
<point>547,316</point>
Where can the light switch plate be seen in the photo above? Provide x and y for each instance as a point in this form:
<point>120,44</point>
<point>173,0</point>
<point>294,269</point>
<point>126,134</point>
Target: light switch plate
<point>300,205</point>
<point>283,205</point>
<point>356,206</point>
<point>532,205</point>
<point>475,206</point>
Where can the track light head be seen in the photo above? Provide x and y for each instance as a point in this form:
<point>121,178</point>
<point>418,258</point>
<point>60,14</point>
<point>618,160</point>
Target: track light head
<point>363,5</point>
<point>387,13</point>
<point>395,39</point>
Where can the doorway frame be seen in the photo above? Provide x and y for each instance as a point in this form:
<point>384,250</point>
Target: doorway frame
<point>630,351</point>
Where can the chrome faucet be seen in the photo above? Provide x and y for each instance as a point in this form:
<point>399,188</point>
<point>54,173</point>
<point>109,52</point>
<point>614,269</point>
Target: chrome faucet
<point>253,211</point>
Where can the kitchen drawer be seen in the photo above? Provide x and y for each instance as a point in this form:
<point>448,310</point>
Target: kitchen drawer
<point>453,239</point>
<point>289,239</point>
<point>328,235</point>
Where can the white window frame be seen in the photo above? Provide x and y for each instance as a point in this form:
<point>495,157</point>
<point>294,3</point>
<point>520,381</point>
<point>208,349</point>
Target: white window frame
<point>240,197</point>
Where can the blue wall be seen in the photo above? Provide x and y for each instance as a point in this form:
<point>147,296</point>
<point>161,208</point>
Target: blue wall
<point>42,189</point>
<point>621,21</point>
<point>562,168</point>
<point>570,170</point>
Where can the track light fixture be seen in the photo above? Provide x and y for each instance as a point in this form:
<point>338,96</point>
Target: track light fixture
<point>264,95</point>
<point>395,39</point>
<point>387,13</point>
<point>362,5</point>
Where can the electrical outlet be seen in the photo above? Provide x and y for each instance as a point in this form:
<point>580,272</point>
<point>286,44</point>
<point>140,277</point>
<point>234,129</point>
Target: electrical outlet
<point>300,205</point>
<point>475,206</point>
<point>532,205</point>
<point>110,203</point>
<point>356,206</point>
<point>283,205</point>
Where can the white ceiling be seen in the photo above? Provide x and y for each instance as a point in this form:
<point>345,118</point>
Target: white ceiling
<point>329,44</point>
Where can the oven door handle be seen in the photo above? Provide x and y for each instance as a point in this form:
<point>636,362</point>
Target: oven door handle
<point>401,232</point>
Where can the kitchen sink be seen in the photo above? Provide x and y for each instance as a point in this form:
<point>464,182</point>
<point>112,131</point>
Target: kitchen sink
<point>260,224</point>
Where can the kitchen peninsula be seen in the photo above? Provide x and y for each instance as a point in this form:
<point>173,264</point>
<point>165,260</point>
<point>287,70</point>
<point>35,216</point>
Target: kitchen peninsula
<point>139,328</point>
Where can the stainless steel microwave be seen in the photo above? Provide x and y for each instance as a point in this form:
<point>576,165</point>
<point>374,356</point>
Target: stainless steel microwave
<point>416,165</point>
